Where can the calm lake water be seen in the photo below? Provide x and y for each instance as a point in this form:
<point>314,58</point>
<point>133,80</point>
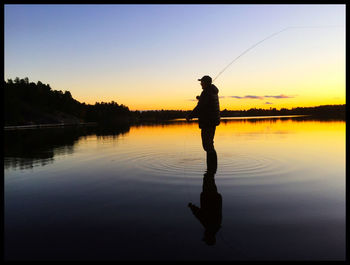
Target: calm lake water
<point>123,194</point>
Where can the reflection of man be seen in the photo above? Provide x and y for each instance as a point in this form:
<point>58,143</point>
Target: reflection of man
<point>210,212</point>
<point>208,112</point>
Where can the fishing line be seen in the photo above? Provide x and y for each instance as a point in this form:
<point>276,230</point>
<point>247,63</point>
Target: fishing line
<point>266,38</point>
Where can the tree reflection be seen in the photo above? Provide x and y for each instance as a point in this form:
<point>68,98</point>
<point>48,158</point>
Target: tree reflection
<point>25,149</point>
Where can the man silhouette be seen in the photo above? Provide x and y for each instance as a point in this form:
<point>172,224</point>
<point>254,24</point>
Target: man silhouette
<point>209,213</point>
<point>208,113</point>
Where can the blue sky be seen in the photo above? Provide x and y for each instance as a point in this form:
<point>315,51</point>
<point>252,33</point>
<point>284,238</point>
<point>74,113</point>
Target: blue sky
<point>139,54</point>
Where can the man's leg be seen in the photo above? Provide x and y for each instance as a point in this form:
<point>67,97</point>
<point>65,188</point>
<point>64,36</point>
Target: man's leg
<point>208,138</point>
<point>208,146</point>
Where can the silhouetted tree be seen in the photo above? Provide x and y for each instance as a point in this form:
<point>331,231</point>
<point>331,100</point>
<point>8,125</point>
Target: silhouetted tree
<point>26,102</point>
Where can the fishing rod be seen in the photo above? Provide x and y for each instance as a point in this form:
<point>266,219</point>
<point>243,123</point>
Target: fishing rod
<point>266,38</point>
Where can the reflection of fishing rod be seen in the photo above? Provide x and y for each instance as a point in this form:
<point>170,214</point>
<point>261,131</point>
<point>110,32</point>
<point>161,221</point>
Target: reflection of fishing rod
<point>266,38</point>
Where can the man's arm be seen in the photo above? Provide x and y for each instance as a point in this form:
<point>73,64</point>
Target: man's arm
<point>194,112</point>
<point>202,102</point>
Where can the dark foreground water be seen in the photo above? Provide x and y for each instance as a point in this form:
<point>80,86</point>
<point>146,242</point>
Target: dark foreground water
<point>123,193</point>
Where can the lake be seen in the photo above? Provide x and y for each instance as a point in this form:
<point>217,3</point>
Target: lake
<point>122,193</point>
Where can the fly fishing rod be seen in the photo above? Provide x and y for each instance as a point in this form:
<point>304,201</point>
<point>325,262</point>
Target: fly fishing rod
<point>266,38</point>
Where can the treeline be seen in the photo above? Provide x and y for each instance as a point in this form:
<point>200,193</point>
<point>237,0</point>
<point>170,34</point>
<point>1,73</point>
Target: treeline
<point>158,115</point>
<point>36,103</point>
<point>324,111</point>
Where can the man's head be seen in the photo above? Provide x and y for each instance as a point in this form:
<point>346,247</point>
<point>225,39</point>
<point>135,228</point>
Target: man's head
<point>205,81</point>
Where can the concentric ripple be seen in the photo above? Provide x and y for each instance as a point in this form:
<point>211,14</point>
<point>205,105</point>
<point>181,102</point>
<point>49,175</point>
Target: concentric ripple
<point>165,165</point>
<point>249,165</point>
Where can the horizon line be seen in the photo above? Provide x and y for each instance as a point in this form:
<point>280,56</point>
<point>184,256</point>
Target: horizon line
<point>243,109</point>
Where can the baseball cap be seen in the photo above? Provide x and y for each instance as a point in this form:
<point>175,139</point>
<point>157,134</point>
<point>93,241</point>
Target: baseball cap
<point>206,78</point>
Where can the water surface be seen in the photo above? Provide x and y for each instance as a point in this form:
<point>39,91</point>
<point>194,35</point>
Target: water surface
<point>122,193</point>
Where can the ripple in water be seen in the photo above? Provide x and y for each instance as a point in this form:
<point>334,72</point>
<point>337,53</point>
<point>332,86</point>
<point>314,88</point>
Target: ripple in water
<point>165,166</point>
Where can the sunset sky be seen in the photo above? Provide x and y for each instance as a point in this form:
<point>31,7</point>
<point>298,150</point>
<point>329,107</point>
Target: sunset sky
<point>150,56</point>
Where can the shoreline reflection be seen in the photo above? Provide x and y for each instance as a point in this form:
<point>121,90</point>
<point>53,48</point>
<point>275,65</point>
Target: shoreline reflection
<point>25,149</point>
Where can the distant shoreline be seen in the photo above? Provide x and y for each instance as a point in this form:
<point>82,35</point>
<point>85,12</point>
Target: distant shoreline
<point>35,105</point>
<point>61,125</point>
<point>50,125</point>
<point>252,117</point>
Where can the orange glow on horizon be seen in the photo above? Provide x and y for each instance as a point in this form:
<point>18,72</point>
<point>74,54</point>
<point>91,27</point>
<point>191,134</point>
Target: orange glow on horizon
<point>229,104</point>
